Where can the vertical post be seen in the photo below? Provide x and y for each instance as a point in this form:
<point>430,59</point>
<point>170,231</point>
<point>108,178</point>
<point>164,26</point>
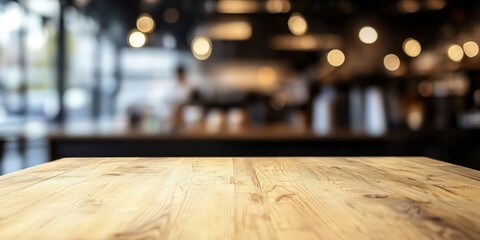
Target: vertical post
<point>23,91</point>
<point>96,89</point>
<point>118,78</point>
<point>22,63</point>
<point>61,57</point>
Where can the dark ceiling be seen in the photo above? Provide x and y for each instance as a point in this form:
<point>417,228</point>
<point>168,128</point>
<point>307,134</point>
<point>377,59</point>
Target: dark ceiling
<point>340,17</point>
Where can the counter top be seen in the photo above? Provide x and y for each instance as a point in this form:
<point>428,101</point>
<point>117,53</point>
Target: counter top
<point>241,198</point>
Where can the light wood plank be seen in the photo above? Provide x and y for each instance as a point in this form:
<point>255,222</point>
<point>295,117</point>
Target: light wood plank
<point>241,198</point>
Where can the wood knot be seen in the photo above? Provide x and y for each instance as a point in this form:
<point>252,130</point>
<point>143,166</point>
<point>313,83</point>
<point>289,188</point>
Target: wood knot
<point>113,174</point>
<point>434,218</point>
<point>288,195</point>
<point>375,196</point>
<point>256,197</point>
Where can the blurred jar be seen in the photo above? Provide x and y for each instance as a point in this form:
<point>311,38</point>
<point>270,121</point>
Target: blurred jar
<point>192,116</point>
<point>298,120</point>
<point>150,121</point>
<point>375,118</point>
<point>215,120</point>
<point>415,116</point>
<point>236,119</point>
<point>322,121</point>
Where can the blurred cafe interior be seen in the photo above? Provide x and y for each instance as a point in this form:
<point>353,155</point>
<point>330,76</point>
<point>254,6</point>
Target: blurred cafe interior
<point>88,78</point>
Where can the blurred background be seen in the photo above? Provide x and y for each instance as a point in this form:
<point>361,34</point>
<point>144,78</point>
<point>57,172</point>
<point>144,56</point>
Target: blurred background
<point>239,78</point>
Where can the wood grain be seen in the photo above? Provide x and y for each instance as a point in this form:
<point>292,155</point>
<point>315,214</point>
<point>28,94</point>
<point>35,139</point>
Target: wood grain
<point>241,198</point>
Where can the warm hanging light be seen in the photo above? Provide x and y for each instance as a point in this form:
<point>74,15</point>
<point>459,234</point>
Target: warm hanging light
<point>234,30</point>
<point>335,57</point>
<point>412,47</point>
<point>145,23</point>
<point>391,62</point>
<point>471,49</point>
<point>455,52</point>
<point>237,6</point>
<point>408,6</point>
<point>436,4</point>
<point>137,39</point>
<point>266,76</point>
<point>201,48</point>
<point>368,35</point>
<point>297,24</point>
<point>277,6</point>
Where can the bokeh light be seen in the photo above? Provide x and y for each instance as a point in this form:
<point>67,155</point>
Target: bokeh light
<point>201,48</point>
<point>412,47</point>
<point>391,62</point>
<point>11,17</point>
<point>145,23</point>
<point>471,49</point>
<point>297,24</point>
<point>233,30</point>
<point>237,6</point>
<point>455,52</point>
<point>425,63</point>
<point>266,76</point>
<point>368,35</point>
<point>76,98</point>
<point>336,57</point>
<point>278,6</point>
<point>408,6</point>
<point>137,39</point>
<point>436,4</point>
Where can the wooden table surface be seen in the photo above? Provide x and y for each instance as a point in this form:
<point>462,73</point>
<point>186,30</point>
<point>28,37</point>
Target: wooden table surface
<point>241,198</point>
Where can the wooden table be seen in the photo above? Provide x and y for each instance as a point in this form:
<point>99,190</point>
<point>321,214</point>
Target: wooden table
<point>241,198</point>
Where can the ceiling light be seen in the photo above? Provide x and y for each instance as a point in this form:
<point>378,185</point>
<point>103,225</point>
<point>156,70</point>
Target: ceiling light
<point>408,6</point>
<point>278,6</point>
<point>391,62</point>
<point>455,52</point>
<point>412,47</point>
<point>297,24</point>
<point>235,30</point>
<point>145,23</point>
<point>471,49</point>
<point>307,42</point>
<point>137,39</point>
<point>266,76</point>
<point>368,35</point>
<point>335,57</point>
<point>201,48</point>
<point>237,6</point>
<point>436,4</point>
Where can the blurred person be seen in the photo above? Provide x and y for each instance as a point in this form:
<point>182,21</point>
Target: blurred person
<point>180,96</point>
<point>135,116</point>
